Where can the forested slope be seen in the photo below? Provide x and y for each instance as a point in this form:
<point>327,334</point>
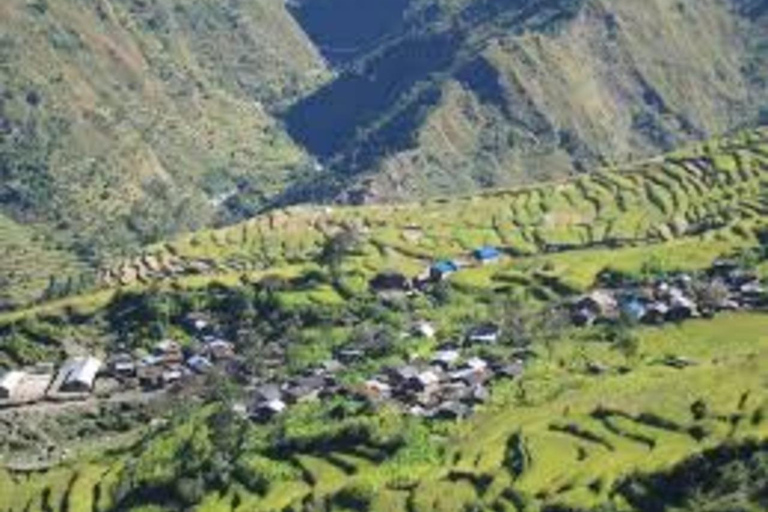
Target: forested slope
<point>123,121</point>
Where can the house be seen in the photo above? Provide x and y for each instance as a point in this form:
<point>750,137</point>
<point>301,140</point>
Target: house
<point>445,359</point>
<point>385,282</point>
<point>268,393</point>
<point>122,365</point>
<point>424,329</point>
<point>220,350</point>
<point>655,313</point>
<point>350,355</point>
<point>150,376</point>
<point>9,384</point>
<point>171,374</point>
<point>33,386</point>
<point>596,368</point>
<point>443,269</point>
<point>484,333</point>
<point>451,411</point>
<point>265,410</point>
<point>469,377</point>
<point>402,374</point>
<point>376,389</point>
<point>425,382</point>
<point>198,322</point>
<point>475,364</point>
<point>583,316</point>
<point>680,306</point>
<point>478,394</point>
<point>169,352</point>
<point>633,308</point>
<point>79,374</point>
<point>486,254</point>
<point>601,303</point>
<point>200,364</point>
<point>330,366</point>
<point>305,389</point>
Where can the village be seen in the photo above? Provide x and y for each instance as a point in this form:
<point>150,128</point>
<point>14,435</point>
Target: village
<point>448,384</point>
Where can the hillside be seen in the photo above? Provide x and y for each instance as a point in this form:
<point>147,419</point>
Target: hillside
<point>466,95</point>
<point>582,428</point>
<point>122,122</point>
<point>699,201</point>
<point>625,441</point>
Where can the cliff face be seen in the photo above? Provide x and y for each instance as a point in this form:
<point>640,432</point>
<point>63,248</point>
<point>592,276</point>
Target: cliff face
<point>497,93</point>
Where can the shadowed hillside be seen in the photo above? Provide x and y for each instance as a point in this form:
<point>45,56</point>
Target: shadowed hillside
<point>485,94</point>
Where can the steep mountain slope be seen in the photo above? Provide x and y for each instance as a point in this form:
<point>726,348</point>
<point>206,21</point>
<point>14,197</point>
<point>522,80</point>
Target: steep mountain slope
<point>122,121</point>
<point>465,95</point>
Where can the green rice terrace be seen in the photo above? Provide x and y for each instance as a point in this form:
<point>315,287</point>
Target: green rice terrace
<point>685,209</point>
<point>557,437</point>
<point>613,416</point>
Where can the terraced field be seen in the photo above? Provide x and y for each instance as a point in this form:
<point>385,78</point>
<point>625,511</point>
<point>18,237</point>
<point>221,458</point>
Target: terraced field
<point>559,436</point>
<point>710,196</point>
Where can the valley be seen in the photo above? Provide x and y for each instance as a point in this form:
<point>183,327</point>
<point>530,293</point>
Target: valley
<point>383,256</point>
<point>579,425</point>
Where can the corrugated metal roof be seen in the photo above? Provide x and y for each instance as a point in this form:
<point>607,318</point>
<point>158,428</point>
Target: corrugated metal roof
<point>82,370</point>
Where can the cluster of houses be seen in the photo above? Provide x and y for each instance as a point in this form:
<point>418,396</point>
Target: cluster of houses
<point>167,363</point>
<point>725,286</point>
<point>393,283</point>
<point>448,385</point>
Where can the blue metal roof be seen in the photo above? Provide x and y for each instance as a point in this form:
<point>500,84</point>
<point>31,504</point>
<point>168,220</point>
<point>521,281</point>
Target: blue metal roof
<point>487,253</point>
<point>445,267</point>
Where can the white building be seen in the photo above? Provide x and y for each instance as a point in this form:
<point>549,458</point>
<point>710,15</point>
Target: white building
<point>79,374</point>
<point>9,383</point>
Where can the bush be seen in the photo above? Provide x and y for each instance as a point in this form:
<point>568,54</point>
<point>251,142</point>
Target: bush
<point>257,473</point>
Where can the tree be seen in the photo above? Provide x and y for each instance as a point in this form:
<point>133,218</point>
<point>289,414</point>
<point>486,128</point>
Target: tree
<point>336,248</point>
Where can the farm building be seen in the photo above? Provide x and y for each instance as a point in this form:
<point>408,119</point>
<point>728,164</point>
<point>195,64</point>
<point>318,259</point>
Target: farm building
<point>9,383</point>
<point>79,374</point>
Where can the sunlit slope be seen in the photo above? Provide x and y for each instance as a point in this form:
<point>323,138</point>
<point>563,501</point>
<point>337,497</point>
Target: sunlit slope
<point>709,196</point>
